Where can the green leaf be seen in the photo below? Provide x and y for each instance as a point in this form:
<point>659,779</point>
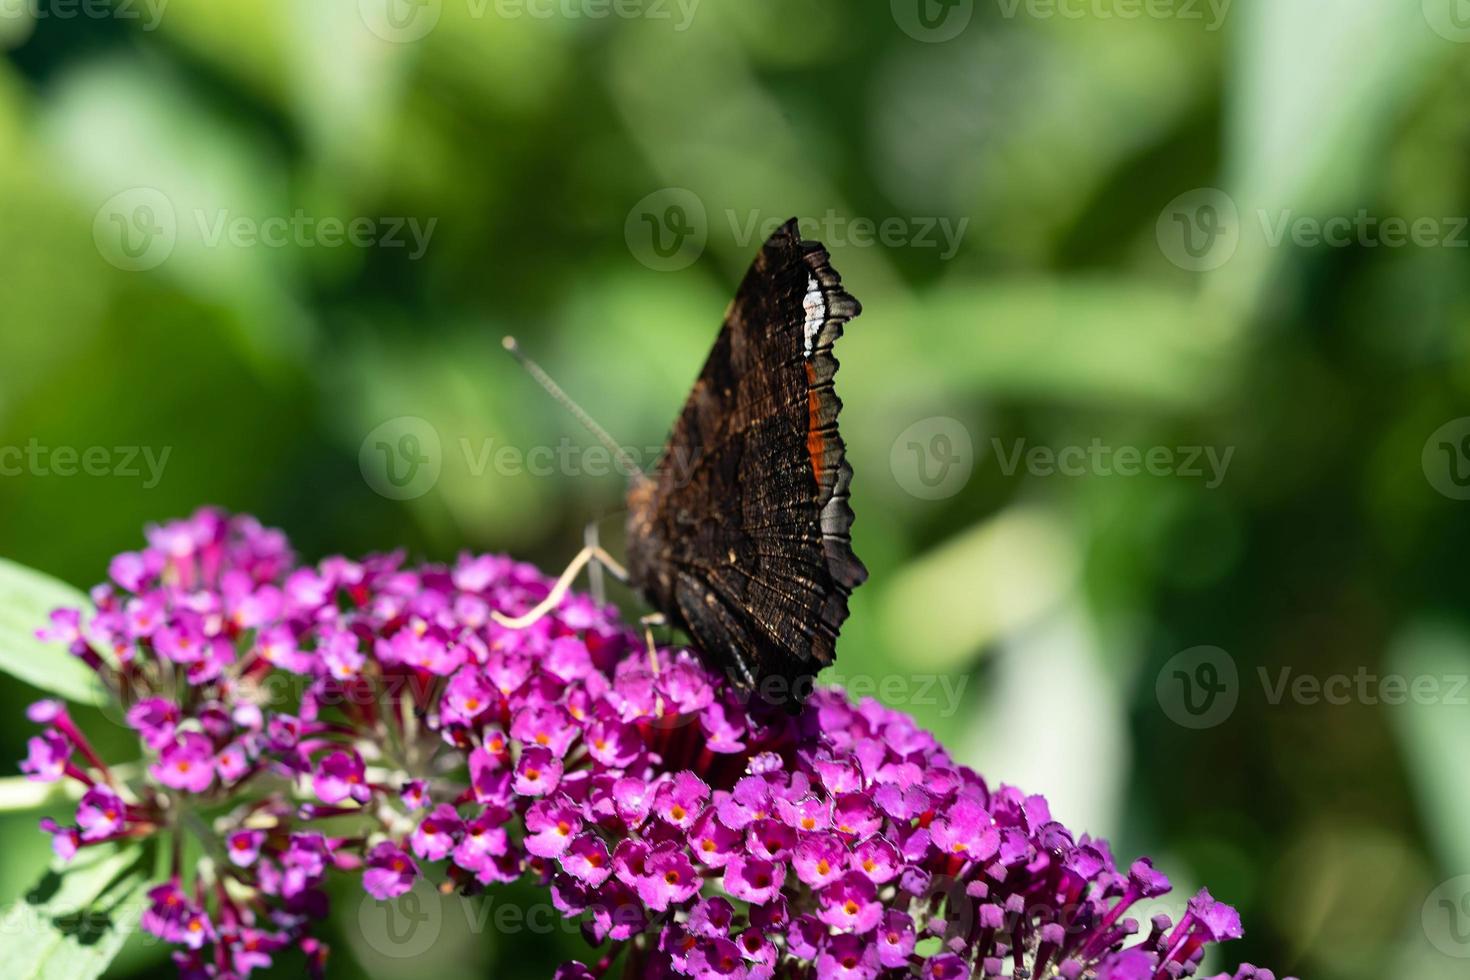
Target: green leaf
<point>26,599</point>
<point>1434,729</point>
<point>76,919</point>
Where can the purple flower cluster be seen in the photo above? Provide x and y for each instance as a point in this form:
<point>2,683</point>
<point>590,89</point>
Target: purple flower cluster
<point>692,831</point>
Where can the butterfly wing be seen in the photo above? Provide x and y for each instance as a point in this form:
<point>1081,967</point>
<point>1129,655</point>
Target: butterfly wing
<point>741,536</point>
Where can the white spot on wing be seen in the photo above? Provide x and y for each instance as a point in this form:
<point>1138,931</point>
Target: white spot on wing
<point>815,305</point>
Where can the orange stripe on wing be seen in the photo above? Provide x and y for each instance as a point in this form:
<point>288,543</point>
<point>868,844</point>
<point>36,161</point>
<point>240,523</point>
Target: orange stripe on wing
<point>816,443</point>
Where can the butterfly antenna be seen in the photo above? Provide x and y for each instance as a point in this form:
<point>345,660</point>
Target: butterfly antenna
<point>626,461</point>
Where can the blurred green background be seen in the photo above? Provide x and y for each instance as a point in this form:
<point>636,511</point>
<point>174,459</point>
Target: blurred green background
<point>1071,224</point>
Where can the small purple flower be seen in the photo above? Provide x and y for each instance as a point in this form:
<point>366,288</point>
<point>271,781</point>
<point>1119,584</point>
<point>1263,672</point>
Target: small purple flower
<point>549,726</point>
<point>550,827</point>
<point>467,696</point>
<point>711,918</point>
<point>966,829</point>
<point>716,959</point>
<point>172,916</point>
<point>414,794</point>
<point>613,744</point>
<point>770,839</point>
<point>341,776</point>
<point>437,833</point>
<point>713,843</point>
<point>851,904</point>
<point>847,957</point>
<point>680,801</point>
<point>670,880</point>
<point>878,859</point>
<point>243,847</point>
<point>100,814</point>
<point>64,840</point>
<point>754,879</point>
<point>896,939</point>
<point>484,850</point>
<point>587,860</point>
<point>233,763</point>
<point>537,773</point>
<point>389,871</point>
<point>820,859</point>
<point>46,756</point>
<point>186,763</point>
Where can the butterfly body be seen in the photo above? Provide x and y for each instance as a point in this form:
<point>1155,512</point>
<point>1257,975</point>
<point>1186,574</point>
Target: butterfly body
<point>740,536</point>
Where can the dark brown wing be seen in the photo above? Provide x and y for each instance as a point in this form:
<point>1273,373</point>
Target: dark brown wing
<point>741,536</point>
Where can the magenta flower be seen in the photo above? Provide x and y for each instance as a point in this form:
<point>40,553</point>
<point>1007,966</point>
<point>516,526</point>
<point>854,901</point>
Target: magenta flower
<point>895,940</point>
<point>437,833</point>
<point>550,827</point>
<point>538,772</point>
<point>389,871</point>
<point>155,719</point>
<point>243,846</point>
<point>340,776</point>
<point>669,878</point>
<point>850,904</point>
<point>100,814</point>
<point>46,756</point>
<point>186,763</point>
<point>820,859</point>
<point>678,801</point>
<point>586,859</point>
<point>691,832</point>
<point>754,879</point>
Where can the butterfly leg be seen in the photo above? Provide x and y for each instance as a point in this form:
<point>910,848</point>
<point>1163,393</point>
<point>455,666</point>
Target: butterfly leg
<point>559,590</point>
<point>594,570</point>
<point>648,623</point>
